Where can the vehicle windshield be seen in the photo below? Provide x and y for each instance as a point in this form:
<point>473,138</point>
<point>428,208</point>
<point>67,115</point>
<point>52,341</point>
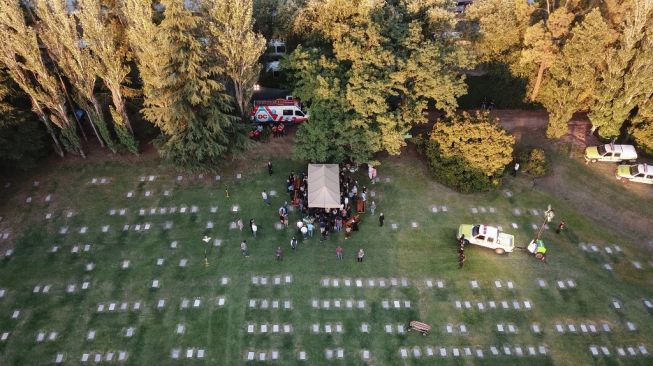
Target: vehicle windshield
<point>475,230</point>
<point>634,170</point>
<point>601,149</point>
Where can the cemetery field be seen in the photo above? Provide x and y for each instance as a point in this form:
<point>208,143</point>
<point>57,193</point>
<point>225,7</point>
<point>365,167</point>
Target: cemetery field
<point>105,264</point>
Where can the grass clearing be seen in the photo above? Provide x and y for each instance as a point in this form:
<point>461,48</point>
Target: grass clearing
<point>427,252</point>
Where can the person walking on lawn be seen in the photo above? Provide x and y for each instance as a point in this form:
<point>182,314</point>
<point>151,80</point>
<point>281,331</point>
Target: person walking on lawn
<point>254,229</point>
<point>360,255</point>
<point>240,224</point>
<point>270,167</point>
<point>266,199</point>
<point>279,254</point>
<point>244,249</point>
<point>339,252</point>
<point>293,243</point>
<point>381,219</point>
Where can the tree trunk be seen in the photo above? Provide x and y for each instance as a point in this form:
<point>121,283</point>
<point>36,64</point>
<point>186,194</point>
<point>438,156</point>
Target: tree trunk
<point>98,113</point>
<point>538,82</point>
<point>238,92</point>
<point>72,107</point>
<point>44,118</point>
<point>119,103</point>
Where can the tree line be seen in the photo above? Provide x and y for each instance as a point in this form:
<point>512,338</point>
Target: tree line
<point>193,66</point>
<point>368,69</point>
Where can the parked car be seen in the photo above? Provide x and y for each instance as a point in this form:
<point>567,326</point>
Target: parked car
<point>640,173</point>
<point>610,153</point>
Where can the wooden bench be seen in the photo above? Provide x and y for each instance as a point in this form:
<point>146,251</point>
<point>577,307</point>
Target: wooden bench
<point>420,327</point>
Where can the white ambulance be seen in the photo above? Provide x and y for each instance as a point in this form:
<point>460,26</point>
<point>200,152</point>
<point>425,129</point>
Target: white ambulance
<point>278,110</point>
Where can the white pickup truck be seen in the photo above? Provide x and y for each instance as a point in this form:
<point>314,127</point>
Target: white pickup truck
<point>487,236</point>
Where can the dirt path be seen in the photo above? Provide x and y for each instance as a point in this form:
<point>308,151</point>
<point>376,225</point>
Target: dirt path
<point>604,200</point>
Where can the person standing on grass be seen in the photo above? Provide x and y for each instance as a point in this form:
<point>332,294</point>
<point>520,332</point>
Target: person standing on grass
<point>244,249</point>
<point>266,199</point>
<point>561,226</point>
<point>279,254</point>
<point>254,229</point>
<point>240,224</point>
<point>304,232</point>
<point>515,169</point>
<point>381,219</point>
<point>360,255</point>
<point>310,228</point>
<point>293,243</point>
<point>270,167</point>
<point>251,224</point>
<point>373,207</point>
<point>339,252</point>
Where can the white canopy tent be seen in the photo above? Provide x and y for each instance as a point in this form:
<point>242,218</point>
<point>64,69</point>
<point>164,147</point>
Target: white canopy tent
<point>323,186</point>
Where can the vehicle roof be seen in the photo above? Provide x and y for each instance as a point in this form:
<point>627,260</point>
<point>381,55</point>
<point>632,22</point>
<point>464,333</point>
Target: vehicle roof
<point>630,149</point>
<point>645,168</point>
<point>488,230</point>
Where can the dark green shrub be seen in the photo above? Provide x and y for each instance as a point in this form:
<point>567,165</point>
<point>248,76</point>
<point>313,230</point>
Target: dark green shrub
<point>534,162</point>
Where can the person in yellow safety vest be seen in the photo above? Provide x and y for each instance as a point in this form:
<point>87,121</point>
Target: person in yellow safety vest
<point>540,247</point>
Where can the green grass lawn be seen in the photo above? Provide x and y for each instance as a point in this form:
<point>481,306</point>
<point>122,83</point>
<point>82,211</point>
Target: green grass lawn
<point>427,252</point>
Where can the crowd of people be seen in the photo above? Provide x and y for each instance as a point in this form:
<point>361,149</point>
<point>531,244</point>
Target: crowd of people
<point>278,130</point>
<point>347,218</point>
<point>320,221</point>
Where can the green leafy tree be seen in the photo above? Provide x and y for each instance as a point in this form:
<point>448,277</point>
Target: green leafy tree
<point>20,54</point>
<point>386,60</point>
<point>332,137</point>
<point>21,137</point>
<point>572,83</point>
<point>642,125</point>
<point>237,46</point>
<point>469,152</point>
<point>626,79</point>
<point>102,35</point>
<point>185,100</point>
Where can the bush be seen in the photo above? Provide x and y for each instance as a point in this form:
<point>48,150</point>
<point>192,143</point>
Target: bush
<point>534,162</point>
<point>456,174</point>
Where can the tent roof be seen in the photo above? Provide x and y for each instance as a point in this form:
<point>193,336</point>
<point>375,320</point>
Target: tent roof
<point>323,186</point>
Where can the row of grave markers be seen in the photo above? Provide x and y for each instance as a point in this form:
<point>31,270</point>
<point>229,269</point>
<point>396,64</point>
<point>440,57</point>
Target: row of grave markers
<point>505,305</point>
<point>361,282</point>
<point>96,357</point>
<point>416,352</point>
<point>478,352</point>
<point>621,351</point>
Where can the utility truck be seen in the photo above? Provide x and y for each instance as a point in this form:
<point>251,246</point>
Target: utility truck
<point>487,236</point>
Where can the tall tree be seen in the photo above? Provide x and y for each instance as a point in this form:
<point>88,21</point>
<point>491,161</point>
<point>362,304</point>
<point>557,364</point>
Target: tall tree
<point>21,137</point>
<point>237,46</point>
<point>616,100</point>
<point>58,31</point>
<point>182,96</point>
<point>572,83</point>
<point>107,47</point>
<point>386,60</point>
<point>144,41</point>
<point>20,53</point>
<point>332,137</point>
